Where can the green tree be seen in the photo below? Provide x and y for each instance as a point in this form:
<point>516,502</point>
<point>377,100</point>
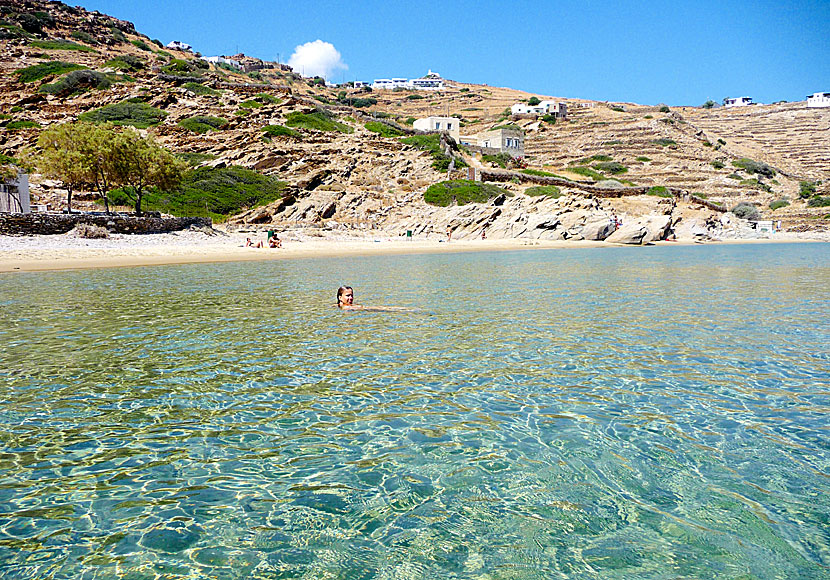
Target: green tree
<point>710,104</point>
<point>62,158</point>
<point>138,163</point>
<point>533,101</point>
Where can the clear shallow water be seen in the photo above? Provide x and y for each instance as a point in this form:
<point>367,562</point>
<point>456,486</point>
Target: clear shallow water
<point>606,413</point>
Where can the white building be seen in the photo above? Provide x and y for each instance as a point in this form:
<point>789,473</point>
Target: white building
<point>451,125</point>
<point>360,84</point>
<point>221,59</point>
<point>499,140</point>
<point>432,81</point>
<point>738,102</point>
<point>14,194</point>
<point>390,84</point>
<point>543,108</point>
<point>818,100</point>
<point>176,45</point>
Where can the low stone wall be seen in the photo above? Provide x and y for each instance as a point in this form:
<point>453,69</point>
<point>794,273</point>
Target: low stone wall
<point>496,175</point>
<point>17,224</point>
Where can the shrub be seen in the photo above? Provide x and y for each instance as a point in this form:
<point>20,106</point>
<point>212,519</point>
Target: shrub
<point>664,142</point>
<point>659,191</point>
<point>721,142</point>
<point>44,69</point>
<point>432,144</point>
<point>549,119</point>
<point>382,129</point>
<point>25,124</point>
<point>89,231</point>
<point>756,184</point>
<point>807,189</point>
<point>648,117</point>
<point>612,167</point>
<point>500,159</point>
<point>125,62</point>
<point>594,158</point>
<point>83,37</point>
<point>710,104</point>
<point>279,130</point>
<point>717,164</point>
<point>538,173</point>
<point>214,192</point>
<point>617,108</point>
<point>142,45</point>
<point>10,31</point>
<point>547,190</point>
<point>643,159</point>
<point>533,101</point>
<point>414,97</point>
<point>819,201</point>
<point>613,142</point>
<point>462,192</point>
<point>193,159</point>
<point>664,109</point>
<point>203,124</point>
<point>746,211</point>
<point>778,203</point>
<point>464,90</point>
<point>242,112</point>
<point>587,172</point>
<point>409,120</point>
<point>751,166</point>
<point>60,45</point>
<point>199,89</point>
<point>75,82</point>
<point>251,104</point>
<point>317,121</point>
<point>268,99</point>
<point>363,102</point>
<point>131,112</point>
<point>735,176</point>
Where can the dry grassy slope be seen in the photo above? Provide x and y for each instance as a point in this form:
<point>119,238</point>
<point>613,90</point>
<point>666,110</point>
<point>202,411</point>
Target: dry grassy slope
<point>367,167</point>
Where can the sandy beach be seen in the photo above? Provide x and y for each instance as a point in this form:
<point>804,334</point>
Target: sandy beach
<point>63,252</point>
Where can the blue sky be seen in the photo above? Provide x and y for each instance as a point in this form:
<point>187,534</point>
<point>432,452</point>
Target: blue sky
<point>649,52</point>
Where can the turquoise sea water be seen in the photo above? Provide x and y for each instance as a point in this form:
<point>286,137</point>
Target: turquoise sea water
<point>604,413</point>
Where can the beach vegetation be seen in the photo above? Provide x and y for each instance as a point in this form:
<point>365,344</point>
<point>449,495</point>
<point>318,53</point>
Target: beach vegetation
<point>133,112</point>
<point>383,129</point>
<point>807,189</point>
<point>61,45</point>
<point>215,192</point>
<point>757,167</point>
<point>317,121</point>
<point>203,123</point>
<point>461,192</point>
<point>38,71</point>
<point>778,203</point>
<point>747,211</point>
<point>547,190</point>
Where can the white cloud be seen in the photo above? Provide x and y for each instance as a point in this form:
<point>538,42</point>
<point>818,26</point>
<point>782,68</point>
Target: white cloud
<point>316,58</point>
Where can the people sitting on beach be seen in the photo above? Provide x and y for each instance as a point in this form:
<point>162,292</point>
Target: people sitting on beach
<point>345,301</point>
<point>250,244</point>
<point>274,241</point>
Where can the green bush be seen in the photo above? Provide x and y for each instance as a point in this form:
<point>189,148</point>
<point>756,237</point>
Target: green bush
<point>818,201</point>
<point>203,124</point>
<point>131,112</point>
<point>664,142</point>
<point>76,82</point>
<point>721,142</point>
<point>503,160</point>
<point>462,192</point>
<point>317,121</point>
<point>83,37</point>
<point>432,144</point>
<point>754,183</point>
<point>547,190</point>
<point>142,45</point>
<point>268,99</point>
<point>44,69</point>
<point>464,90</point>
<point>60,45</point>
<point>710,104</point>
<point>643,159</point>
<point>648,117</point>
<point>414,97</point>
<point>592,159</point>
<point>735,176</point>
<point>251,104</point>
<point>778,203</point>
<point>383,129</point>
<point>242,112</point>
<point>659,191</point>
<point>587,172</point>
<point>746,211</point>
<point>223,191</point>
<point>617,108</point>
<point>117,35</point>
<point>533,101</point>
<point>10,31</point>
<point>25,124</point>
<point>538,173</point>
<point>717,164</point>
<point>126,62</point>
<point>664,109</point>
<point>549,119</point>
<point>612,167</point>
<point>279,130</point>
<point>751,166</point>
<point>807,189</point>
<point>199,89</point>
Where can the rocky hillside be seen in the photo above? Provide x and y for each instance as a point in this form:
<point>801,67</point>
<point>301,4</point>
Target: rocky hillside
<point>353,170</point>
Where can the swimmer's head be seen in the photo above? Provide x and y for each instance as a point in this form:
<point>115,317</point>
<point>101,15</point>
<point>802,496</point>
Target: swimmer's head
<point>345,296</point>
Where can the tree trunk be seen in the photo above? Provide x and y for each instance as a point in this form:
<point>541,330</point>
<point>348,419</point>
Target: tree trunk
<point>138,195</point>
<point>68,200</point>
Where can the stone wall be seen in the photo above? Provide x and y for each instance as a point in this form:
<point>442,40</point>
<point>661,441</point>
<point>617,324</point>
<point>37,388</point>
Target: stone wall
<point>16,224</point>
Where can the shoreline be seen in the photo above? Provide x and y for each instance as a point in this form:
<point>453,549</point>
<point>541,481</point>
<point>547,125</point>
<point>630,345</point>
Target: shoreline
<point>64,252</point>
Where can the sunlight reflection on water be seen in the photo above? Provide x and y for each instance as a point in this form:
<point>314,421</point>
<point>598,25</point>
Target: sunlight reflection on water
<point>608,413</point>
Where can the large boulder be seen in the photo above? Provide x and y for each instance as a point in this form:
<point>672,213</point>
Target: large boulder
<point>642,230</point>
<point>598,230</point>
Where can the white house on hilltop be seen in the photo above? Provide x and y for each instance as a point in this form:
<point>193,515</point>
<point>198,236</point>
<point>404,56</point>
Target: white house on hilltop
<point>738,102</point>
<point>543,108</point>
<point>818,100</point>
<point>223,60</point>
<point>432,81</point>
<point>451,125</point>
<point>176,45</point>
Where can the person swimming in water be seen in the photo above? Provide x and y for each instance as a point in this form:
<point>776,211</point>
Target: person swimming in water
<point>345,301</point>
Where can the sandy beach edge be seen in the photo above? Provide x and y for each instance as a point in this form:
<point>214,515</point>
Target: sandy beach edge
<point>36,254</point>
